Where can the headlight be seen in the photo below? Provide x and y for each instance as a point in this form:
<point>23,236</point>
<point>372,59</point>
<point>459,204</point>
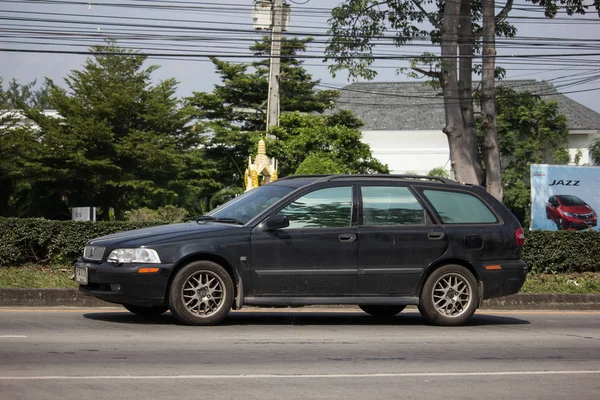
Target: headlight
<point>134,255</point>
<point>569,214</point>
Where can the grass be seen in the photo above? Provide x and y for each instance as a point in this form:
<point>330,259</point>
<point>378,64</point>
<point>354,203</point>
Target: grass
<point>36,277</point>
<point>583,283</point>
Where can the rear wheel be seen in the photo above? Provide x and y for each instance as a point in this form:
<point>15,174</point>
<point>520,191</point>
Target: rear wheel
<point>450,296</point>
<point>201,294</point>
<point>146,311</point>
<point>382,311</point>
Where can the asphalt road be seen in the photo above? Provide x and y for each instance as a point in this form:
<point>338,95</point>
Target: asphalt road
<point>298,354</point>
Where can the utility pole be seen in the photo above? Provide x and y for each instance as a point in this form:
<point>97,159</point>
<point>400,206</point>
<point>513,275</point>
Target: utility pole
<point>275,64</point>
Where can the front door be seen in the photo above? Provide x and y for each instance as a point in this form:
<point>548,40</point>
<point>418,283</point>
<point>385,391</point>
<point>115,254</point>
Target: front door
<point>397,240</point>
<point>316,255</point>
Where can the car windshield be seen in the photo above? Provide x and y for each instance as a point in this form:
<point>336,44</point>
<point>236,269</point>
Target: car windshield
<point>248,205</point>
<point>571,201</point>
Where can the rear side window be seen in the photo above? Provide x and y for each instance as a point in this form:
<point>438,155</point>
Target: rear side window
<point>459,208</point>
<point>391,205</point>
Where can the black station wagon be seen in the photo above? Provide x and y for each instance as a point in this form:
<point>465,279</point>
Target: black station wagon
<point>381,242</point>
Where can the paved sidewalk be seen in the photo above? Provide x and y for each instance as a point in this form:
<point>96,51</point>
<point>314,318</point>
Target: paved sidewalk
<point>520,301</point>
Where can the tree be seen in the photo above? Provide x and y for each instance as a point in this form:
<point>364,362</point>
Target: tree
<point>18,94</point>
<point>242,99</point>
<point>530,131</point>
<point>594,152</point>
<point>233,116</point>
<point>120,142</point>
<point>20,148</point>
<point>320,163</point>
<point>300,136</point>
<point>356,25</point>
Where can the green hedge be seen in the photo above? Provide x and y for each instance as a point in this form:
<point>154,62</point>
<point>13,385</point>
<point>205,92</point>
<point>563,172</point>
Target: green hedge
<point>562,251</point>
<point>33,240</point>
<point>61,242</point>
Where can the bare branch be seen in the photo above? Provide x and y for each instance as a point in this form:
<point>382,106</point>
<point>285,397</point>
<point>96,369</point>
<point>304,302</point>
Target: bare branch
<point>504,13</point>
<point>428,15</point>
<point>431,74</point>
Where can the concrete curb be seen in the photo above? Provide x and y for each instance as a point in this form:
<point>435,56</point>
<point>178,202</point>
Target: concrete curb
<point>520,301</point>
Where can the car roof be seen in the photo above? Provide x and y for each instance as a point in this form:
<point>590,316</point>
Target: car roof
<point>303,180</point>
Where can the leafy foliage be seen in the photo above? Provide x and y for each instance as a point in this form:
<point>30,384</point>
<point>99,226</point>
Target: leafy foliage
<point>169,214</point>
<point>232,117</point>
<point>440,172</point>
<point>17,95</point>
<point>320,163</point>
<point>37,240</point>
<point>242,98</point>
<point>562,251</point>
<point>119,142</point>
<point>301,135</point>
<point>358,26</point>
<point>530,131</point>
<point>594,152</point>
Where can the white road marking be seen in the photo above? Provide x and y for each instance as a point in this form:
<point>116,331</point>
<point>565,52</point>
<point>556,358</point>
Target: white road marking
<point>12,336</point>
<point>301,376</point>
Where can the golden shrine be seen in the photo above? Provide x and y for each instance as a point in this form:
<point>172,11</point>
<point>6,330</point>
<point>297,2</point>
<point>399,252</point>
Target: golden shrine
<point>262,166</point>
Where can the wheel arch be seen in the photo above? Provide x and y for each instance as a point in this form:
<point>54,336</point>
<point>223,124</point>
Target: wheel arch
<point>450,261</point>
<point>235,278</point>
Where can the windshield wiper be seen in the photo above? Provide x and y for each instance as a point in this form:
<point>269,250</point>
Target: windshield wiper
<point>207,218</point>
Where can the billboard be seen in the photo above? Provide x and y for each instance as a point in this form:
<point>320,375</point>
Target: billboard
<point>564,197</point>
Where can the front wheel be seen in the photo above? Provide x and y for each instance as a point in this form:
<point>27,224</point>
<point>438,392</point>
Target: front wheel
<point>382,311</point>
<point>450,296</point>
<point>201,294</point>
<point>146,311</point>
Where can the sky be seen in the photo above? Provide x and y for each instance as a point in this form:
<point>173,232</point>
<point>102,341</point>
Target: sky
<point>564,51</point>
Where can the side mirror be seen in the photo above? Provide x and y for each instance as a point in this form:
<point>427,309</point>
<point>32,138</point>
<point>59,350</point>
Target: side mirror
<point>277,221</point>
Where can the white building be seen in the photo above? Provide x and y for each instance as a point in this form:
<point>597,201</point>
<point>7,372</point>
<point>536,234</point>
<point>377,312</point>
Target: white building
<point>404,121</point>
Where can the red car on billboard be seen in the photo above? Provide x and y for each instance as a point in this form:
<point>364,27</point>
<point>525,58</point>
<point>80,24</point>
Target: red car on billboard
<point>570,212</point>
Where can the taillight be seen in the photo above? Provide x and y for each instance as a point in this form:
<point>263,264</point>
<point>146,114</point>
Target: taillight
<point>520,237</point>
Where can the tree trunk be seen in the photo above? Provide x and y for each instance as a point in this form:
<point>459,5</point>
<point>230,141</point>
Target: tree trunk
<point>491,152</point>
<point>463,157</point>
<point>465,50</point>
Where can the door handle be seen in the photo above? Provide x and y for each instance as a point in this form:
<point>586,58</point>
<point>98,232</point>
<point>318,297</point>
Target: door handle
<point>435,235</point>
<point>347,237</point>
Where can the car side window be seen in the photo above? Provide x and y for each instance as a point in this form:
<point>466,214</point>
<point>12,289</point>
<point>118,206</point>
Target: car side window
<point>391,205</point>
<point>459,208</point>
<point>323,208</point>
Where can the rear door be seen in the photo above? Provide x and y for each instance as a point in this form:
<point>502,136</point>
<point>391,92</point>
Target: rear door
<point>475,231</point>
<point>397,240</point>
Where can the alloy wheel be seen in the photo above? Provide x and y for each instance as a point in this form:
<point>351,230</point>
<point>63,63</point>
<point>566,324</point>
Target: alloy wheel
<point>452,295</point>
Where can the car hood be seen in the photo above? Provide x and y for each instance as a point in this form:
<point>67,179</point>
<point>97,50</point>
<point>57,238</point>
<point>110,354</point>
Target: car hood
<point>577,209</point>
<point>162,233</point>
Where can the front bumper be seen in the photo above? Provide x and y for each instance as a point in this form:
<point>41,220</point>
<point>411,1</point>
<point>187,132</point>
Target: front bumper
<point>504,281</point>
<point>575,223</point>
<point>123,284</point>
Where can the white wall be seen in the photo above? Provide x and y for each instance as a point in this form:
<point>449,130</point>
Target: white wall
<point>580,141</point>
<point>404,151</point>
<point>422,151</point>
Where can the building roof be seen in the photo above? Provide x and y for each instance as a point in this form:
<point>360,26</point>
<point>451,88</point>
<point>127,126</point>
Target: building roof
<point>418,106</point>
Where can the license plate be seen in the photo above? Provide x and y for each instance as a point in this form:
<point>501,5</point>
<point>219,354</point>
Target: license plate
<point>81,275</point>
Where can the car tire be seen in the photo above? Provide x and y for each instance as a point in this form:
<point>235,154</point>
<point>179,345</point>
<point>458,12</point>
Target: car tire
<point>382,311</point>
<point>201,294</point>
<point>450,296</point>
<point>146,311</point>
<point>559,224</point>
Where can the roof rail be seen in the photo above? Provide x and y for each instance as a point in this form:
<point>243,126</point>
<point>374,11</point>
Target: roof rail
<point>394,176</point>
<point>303,176</point>
<point>326,177</point>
